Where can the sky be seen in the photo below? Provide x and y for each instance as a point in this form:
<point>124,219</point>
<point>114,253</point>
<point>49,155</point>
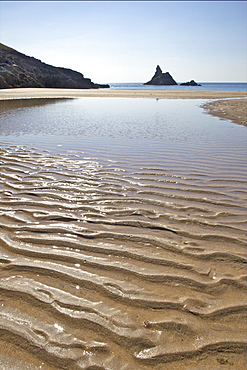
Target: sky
<point>124,41</point>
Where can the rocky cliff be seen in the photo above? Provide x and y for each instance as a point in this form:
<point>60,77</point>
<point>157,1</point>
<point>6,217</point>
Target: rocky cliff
<point>20,70</point>
<point>161,78</point>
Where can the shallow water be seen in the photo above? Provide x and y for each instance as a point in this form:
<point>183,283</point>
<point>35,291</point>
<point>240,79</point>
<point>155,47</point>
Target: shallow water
<point>123,236</point>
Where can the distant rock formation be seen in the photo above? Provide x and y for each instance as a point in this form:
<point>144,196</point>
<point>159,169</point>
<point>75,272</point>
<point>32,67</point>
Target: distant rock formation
<point>20,70</point>
<point>160,78</point>
<point>190,83</point>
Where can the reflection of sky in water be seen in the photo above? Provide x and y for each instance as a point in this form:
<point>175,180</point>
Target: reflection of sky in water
<point>93,121</point>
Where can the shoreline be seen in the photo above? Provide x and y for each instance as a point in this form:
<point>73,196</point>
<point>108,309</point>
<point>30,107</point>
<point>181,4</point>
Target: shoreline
<point>234,109</point>
<point>24,93</point>
<point>109,252</point>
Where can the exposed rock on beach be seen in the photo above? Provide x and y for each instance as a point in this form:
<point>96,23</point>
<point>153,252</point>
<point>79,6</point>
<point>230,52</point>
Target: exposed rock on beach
<point>19,70</point>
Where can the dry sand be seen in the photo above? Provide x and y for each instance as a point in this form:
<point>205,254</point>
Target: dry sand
<point>105,93</point>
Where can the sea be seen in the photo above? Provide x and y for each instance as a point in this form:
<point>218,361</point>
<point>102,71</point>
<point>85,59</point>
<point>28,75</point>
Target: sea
<point>122,234</point>
<point>205,86</point>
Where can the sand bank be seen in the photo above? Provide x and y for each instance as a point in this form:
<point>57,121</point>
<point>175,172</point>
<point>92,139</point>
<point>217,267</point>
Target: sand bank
<point>233,109</point>
<point>106,93</point>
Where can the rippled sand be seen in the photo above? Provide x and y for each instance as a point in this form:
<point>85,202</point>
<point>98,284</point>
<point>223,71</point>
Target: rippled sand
<point>108,267</point>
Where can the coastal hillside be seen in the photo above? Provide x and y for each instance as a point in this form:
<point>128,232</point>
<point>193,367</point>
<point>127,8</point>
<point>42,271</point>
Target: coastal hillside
<point>19,70</point>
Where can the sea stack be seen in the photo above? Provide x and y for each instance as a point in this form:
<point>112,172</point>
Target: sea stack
<point>161,78</point>
<point>190,83</point>
<point>20,70</point>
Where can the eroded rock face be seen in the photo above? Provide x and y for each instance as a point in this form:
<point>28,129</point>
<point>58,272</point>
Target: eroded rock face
<point>20,70</point>
<point>161,78</point>
<point>190,83</point>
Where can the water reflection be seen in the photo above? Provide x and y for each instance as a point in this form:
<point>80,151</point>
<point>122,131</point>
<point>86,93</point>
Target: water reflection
<point>142,119</point>
<point>6,105</point>
<point>123,235</point>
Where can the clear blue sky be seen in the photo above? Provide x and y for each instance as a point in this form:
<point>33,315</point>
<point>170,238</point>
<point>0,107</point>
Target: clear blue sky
<point>124,41</point>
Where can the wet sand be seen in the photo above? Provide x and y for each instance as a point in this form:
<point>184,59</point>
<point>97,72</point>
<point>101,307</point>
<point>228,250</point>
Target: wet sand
<point>108,268</point>
<point>233,109</point>
<point>115,267</point>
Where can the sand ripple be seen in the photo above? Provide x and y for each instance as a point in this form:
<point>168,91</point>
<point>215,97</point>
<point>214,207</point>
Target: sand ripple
<point>108,268</point>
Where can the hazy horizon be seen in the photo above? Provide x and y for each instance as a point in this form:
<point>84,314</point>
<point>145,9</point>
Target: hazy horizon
<point>123,42</point>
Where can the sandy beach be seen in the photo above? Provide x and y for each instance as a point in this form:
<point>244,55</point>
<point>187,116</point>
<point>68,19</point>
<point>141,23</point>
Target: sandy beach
<point>107,93</point>
<point>233,110</point>
<point>132,259</point>
<point>101,264</point>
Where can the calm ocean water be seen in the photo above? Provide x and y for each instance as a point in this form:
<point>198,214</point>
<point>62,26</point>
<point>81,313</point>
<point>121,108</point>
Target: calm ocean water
<point>227,86</point>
